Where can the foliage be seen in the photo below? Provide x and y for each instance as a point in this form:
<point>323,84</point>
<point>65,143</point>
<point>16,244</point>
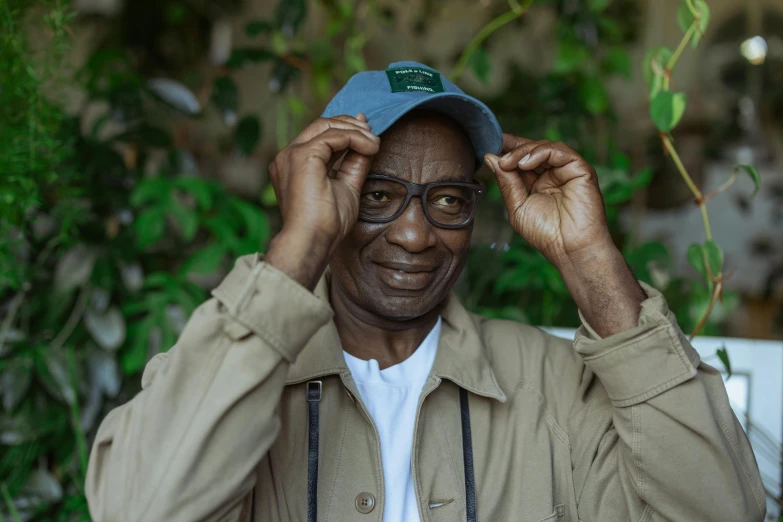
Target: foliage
<point>117,236</point>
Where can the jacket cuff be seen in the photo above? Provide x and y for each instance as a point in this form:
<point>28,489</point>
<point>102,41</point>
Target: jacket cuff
<point>640,363</point>
<point>265,301</point>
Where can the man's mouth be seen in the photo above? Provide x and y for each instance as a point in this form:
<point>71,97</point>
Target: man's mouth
<point>403,276</point>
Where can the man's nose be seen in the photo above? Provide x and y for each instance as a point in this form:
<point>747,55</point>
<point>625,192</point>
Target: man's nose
<point>412,230</point>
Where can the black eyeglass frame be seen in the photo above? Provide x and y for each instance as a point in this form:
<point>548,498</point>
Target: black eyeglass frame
<point>421,190</point>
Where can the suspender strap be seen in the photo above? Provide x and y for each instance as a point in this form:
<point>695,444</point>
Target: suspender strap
<point>314,389</point>
<point>467,455</point>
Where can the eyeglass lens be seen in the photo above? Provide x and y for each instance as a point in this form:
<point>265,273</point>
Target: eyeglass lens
<point>448,205</point>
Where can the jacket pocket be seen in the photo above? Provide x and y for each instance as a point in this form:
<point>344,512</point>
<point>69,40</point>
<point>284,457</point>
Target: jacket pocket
<point>556,516</point>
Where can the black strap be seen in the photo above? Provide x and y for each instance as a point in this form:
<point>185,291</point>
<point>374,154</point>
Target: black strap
<point>314,389</point>
<point>467,454</point>
<point>314,392</point>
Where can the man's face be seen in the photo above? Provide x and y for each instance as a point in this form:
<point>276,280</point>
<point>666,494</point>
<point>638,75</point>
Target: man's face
<point>405,268</point>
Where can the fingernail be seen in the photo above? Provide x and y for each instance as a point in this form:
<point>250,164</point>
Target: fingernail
<point>489,164</point>
<point>524,160</point>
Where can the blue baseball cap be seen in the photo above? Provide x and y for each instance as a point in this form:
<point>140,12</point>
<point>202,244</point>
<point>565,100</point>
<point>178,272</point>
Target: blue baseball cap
<point>386,96</point>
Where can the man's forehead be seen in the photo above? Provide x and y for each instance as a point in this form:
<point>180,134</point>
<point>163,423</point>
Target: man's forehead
<point>425,144</point>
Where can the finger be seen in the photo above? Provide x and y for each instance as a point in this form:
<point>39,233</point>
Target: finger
<point>512,187</point>
<point>360,120</point>
<point>549,155</point>
<point>353,170</point>
<point>333,141</point>
<point>511,142</point>
<point>512,157</point>
<point>322,125</point>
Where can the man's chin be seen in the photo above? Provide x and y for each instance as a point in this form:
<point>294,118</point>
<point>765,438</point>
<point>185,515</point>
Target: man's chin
<point>403,307</point>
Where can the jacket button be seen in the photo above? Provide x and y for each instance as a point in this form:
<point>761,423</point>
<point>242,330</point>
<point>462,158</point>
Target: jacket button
<point>365,502</point>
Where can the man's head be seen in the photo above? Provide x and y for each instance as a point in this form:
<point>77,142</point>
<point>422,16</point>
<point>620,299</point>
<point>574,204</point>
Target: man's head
<point>404,268</point>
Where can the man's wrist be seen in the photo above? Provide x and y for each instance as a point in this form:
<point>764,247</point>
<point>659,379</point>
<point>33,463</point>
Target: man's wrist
<point>299,256</point>
<point>604,288</point>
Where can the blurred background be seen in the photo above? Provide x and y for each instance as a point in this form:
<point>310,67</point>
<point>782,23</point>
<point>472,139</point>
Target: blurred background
<point>135,136</point>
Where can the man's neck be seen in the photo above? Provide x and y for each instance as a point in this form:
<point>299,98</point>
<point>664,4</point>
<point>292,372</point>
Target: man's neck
<point>368,336</point>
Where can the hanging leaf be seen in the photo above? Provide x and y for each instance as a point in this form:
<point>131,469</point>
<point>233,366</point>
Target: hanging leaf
<point>618,61</point>
<point>247,134</point>
<point>225,94</point>
<point>696,258</point>
<point>754,175</point>
<point>244,56</point>
<point>132,276</point>
<point>654,67</point>
<point>15,381</point>
<point>149,189</point>
<point>205,261</point>
<point>74,268</point>
<point>175,94</point>
<point>186,218</point>
<point>220,42</point>
<point>256,27</point>
<point>570,56</point>
<point>598,6</point>
<point>107,329</point>
<point>199,188</point>
<point>42,486</point>
<point>686,18</point>
<point>593,95</point>
<point>290,14</point>
<point>714,256</point>
<point>55,376</point>
<point>481,65</point>
<point>104,372</point>
<point>723,355</point>
<point>667,109</point>
<point>149,227</point>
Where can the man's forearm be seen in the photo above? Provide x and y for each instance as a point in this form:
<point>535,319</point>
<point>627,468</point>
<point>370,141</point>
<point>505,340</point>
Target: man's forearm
<point>604,288</point>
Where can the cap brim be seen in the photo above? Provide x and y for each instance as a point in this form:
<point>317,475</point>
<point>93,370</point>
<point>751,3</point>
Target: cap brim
<point>475,118</point>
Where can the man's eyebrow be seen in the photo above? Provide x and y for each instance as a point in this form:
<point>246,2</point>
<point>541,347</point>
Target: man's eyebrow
<point>448,179</point>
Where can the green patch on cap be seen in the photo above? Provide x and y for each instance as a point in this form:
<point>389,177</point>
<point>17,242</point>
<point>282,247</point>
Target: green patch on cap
<point>414,79</point>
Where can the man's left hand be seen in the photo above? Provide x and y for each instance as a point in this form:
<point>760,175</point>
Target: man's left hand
<point>552,197</point>
<point>553,202</point>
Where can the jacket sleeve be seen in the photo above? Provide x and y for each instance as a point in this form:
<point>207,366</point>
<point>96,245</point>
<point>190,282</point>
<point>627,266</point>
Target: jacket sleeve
<point>653,436</point>
<point>185,448</point>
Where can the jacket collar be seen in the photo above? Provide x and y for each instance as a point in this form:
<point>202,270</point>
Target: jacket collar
<point>461,356</point>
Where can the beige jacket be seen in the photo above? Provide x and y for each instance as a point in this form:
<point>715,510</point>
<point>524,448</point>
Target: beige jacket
<point>628,428</point>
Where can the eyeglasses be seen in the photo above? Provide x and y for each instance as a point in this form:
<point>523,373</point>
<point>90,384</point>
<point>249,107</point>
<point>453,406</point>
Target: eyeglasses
<point>447,204</point>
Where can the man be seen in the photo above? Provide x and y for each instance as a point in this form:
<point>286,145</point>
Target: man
<point>370,393</point>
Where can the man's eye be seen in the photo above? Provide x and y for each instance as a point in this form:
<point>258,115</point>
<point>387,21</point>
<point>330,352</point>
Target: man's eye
<point>376,196</point>
<point>447,201</point>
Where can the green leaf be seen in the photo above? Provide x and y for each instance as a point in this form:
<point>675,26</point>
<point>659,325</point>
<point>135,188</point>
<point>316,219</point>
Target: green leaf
<point>598,6</point>
<point>570,56</point>
<point>146,134</point>
<point>618,61</point>
<point>200,189</point>
<point>654,66</point>
<point>696,258</point>
<point>290,14</point>
<point>256,226</point>
<point>243,56</point>
<point>225,94</point>
<point>723,355</point>
<point>594,96</point>
<point>751,171</point>
<point>255,27</point>
<point>666,109</point>
<point>686,18</point>
<point>247,134</point>
<point>149,227</point>
<point>205,261</point>
<point>268,197</point>
<point>481,65</point>
<point>149,189</point>
<point>714,256</point>
<point>185,217</point>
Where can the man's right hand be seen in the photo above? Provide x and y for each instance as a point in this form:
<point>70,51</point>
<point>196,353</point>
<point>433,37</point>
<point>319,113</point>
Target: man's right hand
<point>319,203</point>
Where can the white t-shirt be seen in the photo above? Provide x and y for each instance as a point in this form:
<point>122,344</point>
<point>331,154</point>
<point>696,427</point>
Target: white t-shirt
<point>392,396</point>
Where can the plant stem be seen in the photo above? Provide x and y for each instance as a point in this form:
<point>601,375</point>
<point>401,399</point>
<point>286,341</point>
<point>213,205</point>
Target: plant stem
<point>667,143</point>
<point>9,502</point>
<point>704,317</point>
<point>482,35</point>
<point>677,53</point>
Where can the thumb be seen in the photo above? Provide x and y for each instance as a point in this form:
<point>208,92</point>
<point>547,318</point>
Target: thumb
<point>510,183</point>
<point>353,170</point>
